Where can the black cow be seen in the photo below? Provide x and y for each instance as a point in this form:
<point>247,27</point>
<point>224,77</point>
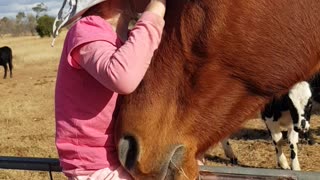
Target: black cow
<point>6,59</point>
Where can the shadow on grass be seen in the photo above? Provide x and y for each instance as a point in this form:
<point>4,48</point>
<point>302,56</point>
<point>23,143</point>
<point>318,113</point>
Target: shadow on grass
<point>251,134</point>
<point>225,161</point>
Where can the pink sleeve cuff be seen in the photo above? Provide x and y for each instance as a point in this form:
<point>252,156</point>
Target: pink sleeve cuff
<point>153,18</point>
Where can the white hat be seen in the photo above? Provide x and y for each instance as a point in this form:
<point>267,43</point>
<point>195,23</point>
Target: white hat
<point>75,11</point>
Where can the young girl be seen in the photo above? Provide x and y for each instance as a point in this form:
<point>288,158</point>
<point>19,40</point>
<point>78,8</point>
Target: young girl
<point>100,59</point>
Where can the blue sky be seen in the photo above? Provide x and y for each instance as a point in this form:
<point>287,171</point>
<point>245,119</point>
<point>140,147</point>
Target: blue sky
<point>10,8</point>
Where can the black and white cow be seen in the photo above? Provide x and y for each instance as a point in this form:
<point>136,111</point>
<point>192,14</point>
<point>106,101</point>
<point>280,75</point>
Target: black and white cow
<point>228,151</point>
<point>6,59</point>
<point>292,111</point>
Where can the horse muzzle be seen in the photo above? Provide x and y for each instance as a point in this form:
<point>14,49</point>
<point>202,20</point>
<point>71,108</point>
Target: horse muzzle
<point>166,168</point>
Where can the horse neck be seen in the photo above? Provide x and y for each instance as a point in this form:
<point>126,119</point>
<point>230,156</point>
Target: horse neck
<point>183,49</point>
<point>168,57</point>
<point>172,76</point>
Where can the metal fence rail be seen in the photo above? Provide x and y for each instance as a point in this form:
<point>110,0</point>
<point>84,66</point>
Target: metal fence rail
<point>237,173</point>
<point>30,164</point>
<point>206,172</point>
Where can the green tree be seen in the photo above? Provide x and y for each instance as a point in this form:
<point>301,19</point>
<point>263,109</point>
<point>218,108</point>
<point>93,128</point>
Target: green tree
<point>39,8</point>
<point>31,24</point>
<point>4,20</point>
<point>19,28</point>
<point>44,26</point>
<point>20,17</point>
<point>3,24</point>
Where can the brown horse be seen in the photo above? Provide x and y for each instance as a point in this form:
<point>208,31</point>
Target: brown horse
<point>220,62</point>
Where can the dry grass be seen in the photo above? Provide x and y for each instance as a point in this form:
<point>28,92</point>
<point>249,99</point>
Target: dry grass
<point>27,115</point>
<point>27,111</point>
<point>254,148</point>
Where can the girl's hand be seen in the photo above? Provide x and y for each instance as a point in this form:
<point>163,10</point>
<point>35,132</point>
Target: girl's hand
<point>157,6</point>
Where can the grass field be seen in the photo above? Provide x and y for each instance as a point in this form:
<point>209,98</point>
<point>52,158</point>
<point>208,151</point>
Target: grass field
<point>27,116</point>
<point>27,112</point>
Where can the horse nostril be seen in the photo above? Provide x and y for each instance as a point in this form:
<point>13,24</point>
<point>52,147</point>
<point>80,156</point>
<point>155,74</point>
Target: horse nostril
<point>128,151</point>
<point>175,162</point>
<point>178,155</point>
<point>303,124</point>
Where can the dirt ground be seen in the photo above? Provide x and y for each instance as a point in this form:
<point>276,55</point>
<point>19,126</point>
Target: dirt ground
<point>27,116</point>
<point>253,147</point>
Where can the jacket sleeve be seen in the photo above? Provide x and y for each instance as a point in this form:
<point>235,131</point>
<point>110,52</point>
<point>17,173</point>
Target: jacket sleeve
<point>122,69</point>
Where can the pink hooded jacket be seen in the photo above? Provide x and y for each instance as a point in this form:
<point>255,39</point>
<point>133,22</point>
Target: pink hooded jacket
<point>95,66</point>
